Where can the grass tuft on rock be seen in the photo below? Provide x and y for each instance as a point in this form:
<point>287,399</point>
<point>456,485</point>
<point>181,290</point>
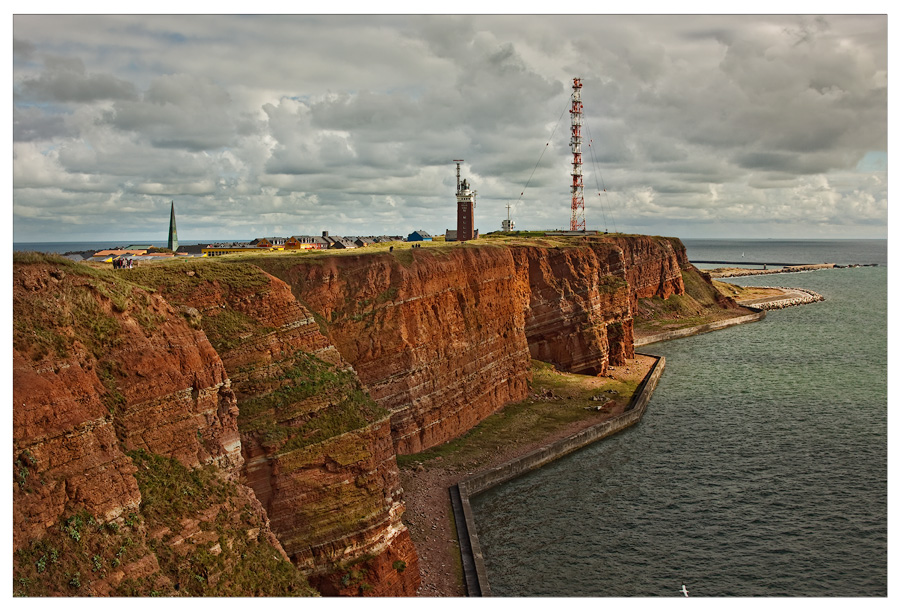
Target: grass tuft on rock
<point>309,402</point>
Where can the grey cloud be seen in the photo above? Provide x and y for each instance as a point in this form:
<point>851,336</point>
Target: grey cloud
<point>65,80</point>
<point>794,163</point>
<point>32,123</point>
<point>355,120</point>
<point>23,49</point>
<point>180,112</point>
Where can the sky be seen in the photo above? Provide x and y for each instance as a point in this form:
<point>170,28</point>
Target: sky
<point>699,126</point>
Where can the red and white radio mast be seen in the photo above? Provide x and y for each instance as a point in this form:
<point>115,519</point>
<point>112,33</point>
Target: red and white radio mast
<point>577,183</point>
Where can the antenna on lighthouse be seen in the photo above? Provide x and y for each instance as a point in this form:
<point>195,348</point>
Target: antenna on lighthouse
<point>458,161</point>
<point>576,111</point>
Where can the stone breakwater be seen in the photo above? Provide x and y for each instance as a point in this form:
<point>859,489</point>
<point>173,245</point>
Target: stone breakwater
<point>737,272</point>
<point>792,297</point>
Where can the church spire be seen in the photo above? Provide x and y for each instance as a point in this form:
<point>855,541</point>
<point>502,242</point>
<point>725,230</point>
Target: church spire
<point>173,233</point>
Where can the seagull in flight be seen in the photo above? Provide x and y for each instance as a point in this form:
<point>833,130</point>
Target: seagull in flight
<point>685,590</point>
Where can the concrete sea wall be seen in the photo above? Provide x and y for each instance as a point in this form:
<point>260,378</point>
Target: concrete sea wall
<point>473,561</point>
<point>759,314</point>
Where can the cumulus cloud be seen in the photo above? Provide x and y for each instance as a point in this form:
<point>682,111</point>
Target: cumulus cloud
<point>702,125</point>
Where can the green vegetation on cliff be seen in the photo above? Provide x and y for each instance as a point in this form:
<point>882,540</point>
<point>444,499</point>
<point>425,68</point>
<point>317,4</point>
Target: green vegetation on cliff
<point>231,559</point>
<point>185,282</point>
<point>76,552</point>
<point>80,305</point>
<point>194,535</point>
<point>701,304</point>
<point>180,280</point>
<point>300,399</point>
<point>309,401</point>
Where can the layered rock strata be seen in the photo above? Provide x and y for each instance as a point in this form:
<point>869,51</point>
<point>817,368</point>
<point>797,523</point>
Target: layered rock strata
<point>319,454</point>
<point>129,374</point>
<point>578,314</point>
<point>435,338</point>
<point>651,265</point>
<point>103,369</point>
<point>443,338</point>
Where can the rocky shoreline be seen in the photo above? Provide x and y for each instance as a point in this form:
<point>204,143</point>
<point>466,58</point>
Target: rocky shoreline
<point>791,297</point>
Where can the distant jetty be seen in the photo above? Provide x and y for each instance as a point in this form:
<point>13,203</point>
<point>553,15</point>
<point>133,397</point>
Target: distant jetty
<point>778,268</point>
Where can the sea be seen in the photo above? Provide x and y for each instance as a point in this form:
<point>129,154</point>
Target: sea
<point>798,252</point>
<point>758,470</point>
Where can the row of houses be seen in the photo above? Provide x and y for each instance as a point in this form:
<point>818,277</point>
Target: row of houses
<point>140,253</point>
<point>135,252</point>
<point>297,242</point>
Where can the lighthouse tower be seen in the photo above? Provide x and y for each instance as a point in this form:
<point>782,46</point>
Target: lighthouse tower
<point>465,208</point>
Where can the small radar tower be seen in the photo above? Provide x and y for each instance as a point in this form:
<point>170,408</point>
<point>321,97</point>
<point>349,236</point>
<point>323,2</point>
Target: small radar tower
<point>508,224</point>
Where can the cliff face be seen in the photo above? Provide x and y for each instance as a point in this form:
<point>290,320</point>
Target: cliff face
<point>435,338</point>
<point>318,451</point>
<point>101,370</point>
<point>281,403</point>
<point>652,265</point>
<point>131,375</point>
<point>579,308</point>
<point>442,338</point>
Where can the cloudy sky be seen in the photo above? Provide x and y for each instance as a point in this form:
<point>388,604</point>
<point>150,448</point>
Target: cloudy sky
<point>700,126</point>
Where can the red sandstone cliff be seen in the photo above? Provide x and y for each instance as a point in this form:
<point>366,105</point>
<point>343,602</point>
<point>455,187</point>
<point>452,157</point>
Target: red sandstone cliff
<point>442,338</point>
<point>224,367</point>
<point>578,315</point>
<point>436,338</point>
<point>319,454</point>
<point>652,265</point>
<point>103,369</point>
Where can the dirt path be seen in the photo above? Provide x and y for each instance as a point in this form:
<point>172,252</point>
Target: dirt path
<point>427,477</point>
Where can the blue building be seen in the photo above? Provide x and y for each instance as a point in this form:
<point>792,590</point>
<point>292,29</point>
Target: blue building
<point>419,236</point>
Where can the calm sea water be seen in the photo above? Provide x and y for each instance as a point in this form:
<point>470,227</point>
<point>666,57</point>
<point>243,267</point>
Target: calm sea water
<point>759,469</point>
<point>841,252</point>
